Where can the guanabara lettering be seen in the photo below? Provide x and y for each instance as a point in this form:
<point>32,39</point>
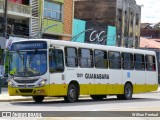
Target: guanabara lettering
<point>96,76</point>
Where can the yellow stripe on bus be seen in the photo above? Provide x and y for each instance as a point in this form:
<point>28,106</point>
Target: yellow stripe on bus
<point>85,89</point>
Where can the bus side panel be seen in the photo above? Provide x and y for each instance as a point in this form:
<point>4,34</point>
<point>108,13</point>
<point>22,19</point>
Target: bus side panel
<point>82,76</point>
<point>139,81</point>
<point>58,89</point>
<point>101,82</point>
<point>151,77</point>
<point>152,80</point>
<point>115,82</point>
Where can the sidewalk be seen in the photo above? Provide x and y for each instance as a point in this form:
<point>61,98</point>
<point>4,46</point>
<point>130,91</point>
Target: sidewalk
<point>4,96</point>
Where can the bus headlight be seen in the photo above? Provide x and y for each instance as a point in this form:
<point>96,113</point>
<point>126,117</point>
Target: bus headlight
<point>10,83</point>
<point>41,83</point>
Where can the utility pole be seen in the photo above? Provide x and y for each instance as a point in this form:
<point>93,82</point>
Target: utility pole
<point>5,18</point>
<point>4,35</point>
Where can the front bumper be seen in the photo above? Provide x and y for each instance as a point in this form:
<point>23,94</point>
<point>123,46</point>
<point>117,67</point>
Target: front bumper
<point>43,91</point>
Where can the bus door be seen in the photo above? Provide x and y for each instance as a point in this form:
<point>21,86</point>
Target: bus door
<point>56,69</point>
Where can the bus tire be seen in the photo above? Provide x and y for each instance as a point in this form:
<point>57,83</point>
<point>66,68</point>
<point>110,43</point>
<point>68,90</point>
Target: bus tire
<point>38,99</point>
<point>72,94</point>
<point>98,97</point>
<point>128,91</point>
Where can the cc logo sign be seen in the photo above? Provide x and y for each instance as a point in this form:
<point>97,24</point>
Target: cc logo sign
<point>97,36</point>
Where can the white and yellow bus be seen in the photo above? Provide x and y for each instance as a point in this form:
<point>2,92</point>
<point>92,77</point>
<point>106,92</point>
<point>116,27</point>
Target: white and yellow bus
<point>42,68</point>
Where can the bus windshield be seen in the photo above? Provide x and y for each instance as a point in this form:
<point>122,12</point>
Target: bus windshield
<point>28,63</point>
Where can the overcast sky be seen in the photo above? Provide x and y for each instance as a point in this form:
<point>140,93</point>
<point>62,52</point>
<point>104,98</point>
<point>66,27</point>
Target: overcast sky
<point>150,11</point>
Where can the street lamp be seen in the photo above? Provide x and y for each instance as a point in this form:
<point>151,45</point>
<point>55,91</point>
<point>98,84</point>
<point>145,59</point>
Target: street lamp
<point>73,39</point>
<point>40,33</point>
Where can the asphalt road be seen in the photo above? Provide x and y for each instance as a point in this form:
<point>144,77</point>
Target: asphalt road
<point>90,108</point>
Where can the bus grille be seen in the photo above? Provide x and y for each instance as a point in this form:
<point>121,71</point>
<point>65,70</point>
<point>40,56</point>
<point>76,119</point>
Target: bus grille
<point>26,90</point>
<point>26,81</point>
<point>26,86</point>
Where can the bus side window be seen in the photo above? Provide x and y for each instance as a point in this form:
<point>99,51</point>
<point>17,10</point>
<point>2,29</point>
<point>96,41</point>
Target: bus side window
<point>100,59</point>
<point>71,57</point>
<point>127,60</point>
<point>139,62</point>
<point>114,60</point>
<point>150,63</point>
<point>85,58</point>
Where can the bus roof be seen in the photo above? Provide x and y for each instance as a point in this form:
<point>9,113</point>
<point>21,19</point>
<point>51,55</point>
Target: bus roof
<point>91,46</point>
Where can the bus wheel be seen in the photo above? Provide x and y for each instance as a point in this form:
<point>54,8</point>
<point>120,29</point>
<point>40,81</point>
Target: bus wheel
<point>128,91</point>
<point>71,94</point>
<point>98,97</point>
<point>38,99</point>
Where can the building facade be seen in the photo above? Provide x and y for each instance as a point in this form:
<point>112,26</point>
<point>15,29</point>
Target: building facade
<point>19,19</point>
<point>150,30</point>
<point>57,12</point>
<point>35,19</point>
<point>125,15</point>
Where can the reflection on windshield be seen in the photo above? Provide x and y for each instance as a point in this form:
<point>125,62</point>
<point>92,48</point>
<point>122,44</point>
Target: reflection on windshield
<point>28,63</point>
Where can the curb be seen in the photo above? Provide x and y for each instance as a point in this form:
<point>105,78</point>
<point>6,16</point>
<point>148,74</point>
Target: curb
<point>26,99</point>
<point>30,99</point>
<point>12,100</point>
<point>48,98</point>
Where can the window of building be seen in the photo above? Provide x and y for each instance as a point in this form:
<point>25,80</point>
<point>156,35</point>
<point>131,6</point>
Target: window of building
<point>52,10</point>
<point>120,14</point>
<point>131,18</point>
<point>100,59</point>
<point>137,19</point>
<point>127,61</point>
<point>71,57</point>
<point>136,42</point>
<point>150,63</point>
<point>126,16</point>
<point>139,62</point>
<point>114,60</point>
<point>56,60</point>
<point>85,58</point>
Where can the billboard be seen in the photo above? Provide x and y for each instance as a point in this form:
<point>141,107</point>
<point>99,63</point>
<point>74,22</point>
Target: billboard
<point>93,32</point>
<point>97,35</point>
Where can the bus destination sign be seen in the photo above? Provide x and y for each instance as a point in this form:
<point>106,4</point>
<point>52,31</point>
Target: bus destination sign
<point>29,45</point>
